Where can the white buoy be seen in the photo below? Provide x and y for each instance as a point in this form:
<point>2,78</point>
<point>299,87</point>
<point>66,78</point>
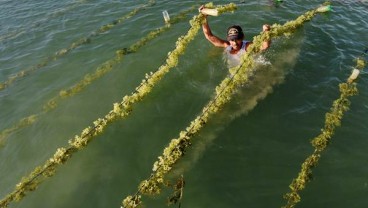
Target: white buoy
<point>324,8</point>
<point>212,12</point>
<point>354,74</point>
<point>166,16</point>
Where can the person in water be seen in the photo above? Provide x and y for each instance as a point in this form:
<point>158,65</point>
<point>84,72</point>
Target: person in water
<point>235,45</point>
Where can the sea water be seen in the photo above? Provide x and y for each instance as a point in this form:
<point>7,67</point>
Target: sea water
<point>248,153</point>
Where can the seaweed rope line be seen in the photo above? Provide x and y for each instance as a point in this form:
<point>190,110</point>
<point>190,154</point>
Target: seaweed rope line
<point>176,148</point>
<point>108,65</point>
<point>89,78</point>
<point>177,196</point>
<point>16,33</point>
<point>74,45</point>
<point>122,109</point>
<point>320,143</point>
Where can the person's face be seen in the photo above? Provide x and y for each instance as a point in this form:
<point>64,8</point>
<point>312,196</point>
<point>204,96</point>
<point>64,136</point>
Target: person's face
<point>236,44</point>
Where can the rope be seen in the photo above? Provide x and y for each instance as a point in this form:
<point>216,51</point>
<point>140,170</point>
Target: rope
<point>239,76</point>
<point>101,70</point>
<point>74,45</point>
<point>122,109</point>
<point>16,33</point>
<point>320,143</point>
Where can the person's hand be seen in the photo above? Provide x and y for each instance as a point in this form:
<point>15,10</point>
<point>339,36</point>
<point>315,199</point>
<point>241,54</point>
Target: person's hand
<point>200,10</point>
<point>266,27</point>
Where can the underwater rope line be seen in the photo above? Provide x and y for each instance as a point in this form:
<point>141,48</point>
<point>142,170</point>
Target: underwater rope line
<point>108,65</point>
<point>74,45</point>
<point>24,122</point>
<point>13,34</point>
<point>89,78</point>
<point>122,109</point>
<point>177,147</point>
<point>320,143</point>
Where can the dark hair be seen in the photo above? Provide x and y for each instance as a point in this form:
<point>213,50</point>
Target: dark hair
<point>235,32</point>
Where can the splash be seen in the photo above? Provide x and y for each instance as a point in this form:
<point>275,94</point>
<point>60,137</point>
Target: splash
<point>120,110</point>
<point>238,77</point>
<point>245,100</point>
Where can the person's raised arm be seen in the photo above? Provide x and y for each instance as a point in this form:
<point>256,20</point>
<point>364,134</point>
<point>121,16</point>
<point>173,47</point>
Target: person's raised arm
<point>216,41</point>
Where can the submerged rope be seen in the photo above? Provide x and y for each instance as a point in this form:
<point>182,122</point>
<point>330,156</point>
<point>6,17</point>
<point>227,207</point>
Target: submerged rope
<point>239,76</point>
<point>122,109</point>
<point>108,65</point>
<point>320,143</point>
<point>89,78</point>
<point>74,45</point>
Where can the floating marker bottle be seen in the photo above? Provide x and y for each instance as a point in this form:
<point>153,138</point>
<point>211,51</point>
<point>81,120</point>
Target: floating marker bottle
<point>324,8</point>
<point>354,74</point>
<point>166,16</point>
<point>212,12</point>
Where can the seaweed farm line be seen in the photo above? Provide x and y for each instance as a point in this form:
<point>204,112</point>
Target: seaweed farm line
<point>119,80</point>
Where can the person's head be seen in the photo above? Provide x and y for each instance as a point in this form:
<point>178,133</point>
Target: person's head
<point>234,33</point>
<point>235,36</point>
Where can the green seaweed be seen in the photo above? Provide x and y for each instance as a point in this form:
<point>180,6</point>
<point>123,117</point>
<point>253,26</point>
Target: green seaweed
<point>320,142</point>
<point>101,70</point>
<point>64,51</point>
<point>224,91</point>
<point>120,110</point>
